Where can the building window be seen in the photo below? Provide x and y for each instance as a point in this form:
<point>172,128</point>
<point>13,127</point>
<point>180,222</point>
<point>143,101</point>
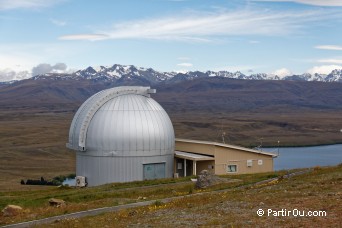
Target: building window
<point>231,168</point>
<point>249,163</point>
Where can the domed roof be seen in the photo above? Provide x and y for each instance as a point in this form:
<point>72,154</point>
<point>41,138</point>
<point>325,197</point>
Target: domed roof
<point>122,121</point>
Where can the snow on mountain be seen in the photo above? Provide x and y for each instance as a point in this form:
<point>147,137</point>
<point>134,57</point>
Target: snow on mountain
<point>117,71</point>
<point>130,72</point>
<point>334,76</point>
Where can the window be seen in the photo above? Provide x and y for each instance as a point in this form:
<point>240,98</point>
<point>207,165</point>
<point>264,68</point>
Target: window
<point>231,168</point>
<point>249,163</point>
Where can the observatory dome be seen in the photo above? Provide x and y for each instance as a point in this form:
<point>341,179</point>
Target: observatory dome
<point>117,131</point>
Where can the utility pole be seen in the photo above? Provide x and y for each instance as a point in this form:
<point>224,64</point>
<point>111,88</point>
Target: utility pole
<point>278,147</point>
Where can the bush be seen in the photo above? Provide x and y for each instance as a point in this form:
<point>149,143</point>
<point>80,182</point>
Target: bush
<point>158,203</point>
<point>191,189</point>
<point>71,176</point>
<point>317,168</point>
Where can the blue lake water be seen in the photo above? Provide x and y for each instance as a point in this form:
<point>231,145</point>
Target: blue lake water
<point>303,157</point>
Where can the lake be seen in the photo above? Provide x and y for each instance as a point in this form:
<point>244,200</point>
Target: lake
<point>303,157</point>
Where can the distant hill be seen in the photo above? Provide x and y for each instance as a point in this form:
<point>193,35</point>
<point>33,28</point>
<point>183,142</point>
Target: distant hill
<point>236,95</point>
<point>65,91</point>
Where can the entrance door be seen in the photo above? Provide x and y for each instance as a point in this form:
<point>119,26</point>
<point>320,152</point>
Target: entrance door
<point>154,171</point>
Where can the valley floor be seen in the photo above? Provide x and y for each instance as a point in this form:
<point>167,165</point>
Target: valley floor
<point>32,142</point>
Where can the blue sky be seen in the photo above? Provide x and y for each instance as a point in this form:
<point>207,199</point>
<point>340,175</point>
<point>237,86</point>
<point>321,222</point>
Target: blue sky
<point>270,36</point>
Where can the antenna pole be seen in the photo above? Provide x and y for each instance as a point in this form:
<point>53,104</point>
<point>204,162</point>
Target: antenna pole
<point>223,134</point>
<point>278,147</point>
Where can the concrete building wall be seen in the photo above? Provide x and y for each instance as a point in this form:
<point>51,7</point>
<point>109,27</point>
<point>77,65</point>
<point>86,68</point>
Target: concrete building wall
<point>205,165</point>
<point>226,156</point>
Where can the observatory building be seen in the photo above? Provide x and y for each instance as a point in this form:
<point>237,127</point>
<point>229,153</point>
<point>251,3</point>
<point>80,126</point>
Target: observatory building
<point>120,135</point>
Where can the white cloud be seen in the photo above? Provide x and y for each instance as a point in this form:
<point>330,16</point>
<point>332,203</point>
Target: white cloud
<point>185,64</point>
<point>308,2</point>
<point>324,69</point>
<point>43,68</point>
<point>329,47</point>
<point>58,22</point>
<point>283,72</point>
<point>9,75</point>
<point>91,37</point>
<point>331,61</point>
<point>29,4</point>
<point>203,26</point>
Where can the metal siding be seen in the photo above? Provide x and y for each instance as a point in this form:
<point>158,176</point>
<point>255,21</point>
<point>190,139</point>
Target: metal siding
<point>118,169</point>
<point>126,132</point>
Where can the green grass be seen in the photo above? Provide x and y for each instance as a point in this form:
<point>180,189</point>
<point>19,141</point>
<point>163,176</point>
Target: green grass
<point>36,201</point>
<point>316,190</point>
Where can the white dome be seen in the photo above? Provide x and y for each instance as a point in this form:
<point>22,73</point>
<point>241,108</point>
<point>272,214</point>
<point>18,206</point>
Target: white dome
<point>127,123</point>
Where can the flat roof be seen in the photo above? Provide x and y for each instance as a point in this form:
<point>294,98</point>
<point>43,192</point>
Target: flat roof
<point>192,156</point>
<point>227,146</point>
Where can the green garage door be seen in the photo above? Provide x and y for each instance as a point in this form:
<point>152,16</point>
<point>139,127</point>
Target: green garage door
<point>154,171</point>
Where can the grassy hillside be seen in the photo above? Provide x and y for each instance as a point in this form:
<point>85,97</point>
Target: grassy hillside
<point>232,205</point>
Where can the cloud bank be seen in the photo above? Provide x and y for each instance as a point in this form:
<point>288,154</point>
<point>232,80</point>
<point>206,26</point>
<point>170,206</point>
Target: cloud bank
<point>308,2</point>
<point>8,74</point>
<point>325,69</point>
<point>329,47</point>
<point>203,26</point>
<point>283,72</point>
<point>28,4</point>
<point>44,68</point>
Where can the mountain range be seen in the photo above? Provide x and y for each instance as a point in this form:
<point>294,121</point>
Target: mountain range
<point>123,74</point>
<point>199,103</point>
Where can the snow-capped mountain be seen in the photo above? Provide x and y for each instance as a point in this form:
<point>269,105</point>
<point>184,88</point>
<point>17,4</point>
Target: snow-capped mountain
<point>126,73</point>
<point>117,71</point>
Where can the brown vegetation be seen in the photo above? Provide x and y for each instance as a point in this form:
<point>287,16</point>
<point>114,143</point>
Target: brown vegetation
<point>319,190</point>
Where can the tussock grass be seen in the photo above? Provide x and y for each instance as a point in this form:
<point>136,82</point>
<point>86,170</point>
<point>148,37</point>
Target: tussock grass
<point>317,190</point>
<point>36,201</point>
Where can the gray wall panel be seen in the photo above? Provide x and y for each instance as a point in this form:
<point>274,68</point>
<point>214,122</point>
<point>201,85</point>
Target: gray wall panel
<point>117,169</point>
<point>127,129</point>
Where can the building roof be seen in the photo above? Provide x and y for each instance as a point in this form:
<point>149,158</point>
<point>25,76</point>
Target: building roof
<point>226,146</point>
<point>192,156</point>
<point>122,121</point>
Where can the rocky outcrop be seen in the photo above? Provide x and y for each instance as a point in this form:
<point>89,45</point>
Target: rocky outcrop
<point>56,202</point>
<point>205,179</point>
<point>12,210</point>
